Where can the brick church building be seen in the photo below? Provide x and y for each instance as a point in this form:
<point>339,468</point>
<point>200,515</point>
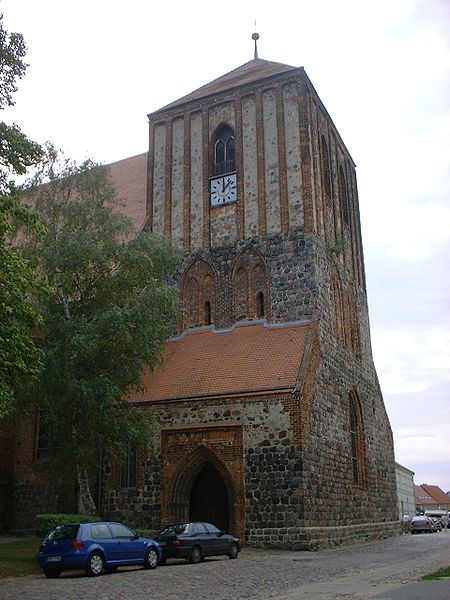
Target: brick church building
<point>271,422</point>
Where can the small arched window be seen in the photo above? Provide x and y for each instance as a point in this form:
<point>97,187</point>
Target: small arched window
<point>260,305</point>
<point>198,294</point>
<point>224,152</point>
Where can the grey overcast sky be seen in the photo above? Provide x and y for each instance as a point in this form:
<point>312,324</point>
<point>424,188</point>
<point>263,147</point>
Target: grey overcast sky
<point>382,69</point>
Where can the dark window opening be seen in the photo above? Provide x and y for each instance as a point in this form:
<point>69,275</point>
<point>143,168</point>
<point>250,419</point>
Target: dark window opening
<point>344,198</point>
<point>128,474</point>
<point>326,169</point>
<point>45,435</point>
<point>357,443</point>
<point>224,152</point>
<point>260,305</point>
<point>219,157</point>
<point>207,313</point>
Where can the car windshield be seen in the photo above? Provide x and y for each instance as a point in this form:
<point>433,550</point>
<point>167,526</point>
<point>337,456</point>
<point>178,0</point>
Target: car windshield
<point>179,529</point>
<point>64,532</point>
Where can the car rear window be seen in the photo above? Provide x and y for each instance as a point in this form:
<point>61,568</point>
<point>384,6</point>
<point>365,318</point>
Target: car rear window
<point>179,529</point>
<point>64,532</point>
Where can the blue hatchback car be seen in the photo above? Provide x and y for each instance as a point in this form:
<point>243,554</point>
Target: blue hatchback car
<point>95,547</point>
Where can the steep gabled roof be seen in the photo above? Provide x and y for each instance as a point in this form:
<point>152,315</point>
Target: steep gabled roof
<point>436,493</point>
<point>129,177</point>
<point>422,496</point>
<point>249,72</point>
<point>250,358</point>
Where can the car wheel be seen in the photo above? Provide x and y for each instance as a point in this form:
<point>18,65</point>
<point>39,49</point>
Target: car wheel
<point>151,559</point>
<point>95,565</point>
<point>52,573</point>
<point>196,555</point>
<point>234,551</point>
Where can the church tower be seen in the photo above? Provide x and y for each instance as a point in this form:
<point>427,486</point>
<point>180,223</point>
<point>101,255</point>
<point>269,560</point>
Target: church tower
<point>271,421</point>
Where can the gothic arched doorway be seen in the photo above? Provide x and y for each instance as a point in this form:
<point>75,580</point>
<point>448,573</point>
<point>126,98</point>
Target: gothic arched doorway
<point>208,499</point>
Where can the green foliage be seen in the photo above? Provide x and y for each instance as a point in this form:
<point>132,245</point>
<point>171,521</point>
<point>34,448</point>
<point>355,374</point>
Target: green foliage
<point>48,521</point>
<point>16,151</point>
<point>337,248</point>
<point>20,285</point>
<point>109,314</point>
<point>441,573</point>
<point>12,67</point>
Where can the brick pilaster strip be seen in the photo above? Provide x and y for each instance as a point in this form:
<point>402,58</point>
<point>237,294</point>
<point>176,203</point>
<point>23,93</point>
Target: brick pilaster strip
<point>187,183</point>
<point>282,169</point>
<point>261,161</point>
<point>168,181</point>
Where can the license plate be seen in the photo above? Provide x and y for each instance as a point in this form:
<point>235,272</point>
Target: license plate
<point>53,559</point>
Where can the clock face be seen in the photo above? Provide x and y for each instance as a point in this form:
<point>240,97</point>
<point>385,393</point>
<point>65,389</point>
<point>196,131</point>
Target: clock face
<point>223,190</point>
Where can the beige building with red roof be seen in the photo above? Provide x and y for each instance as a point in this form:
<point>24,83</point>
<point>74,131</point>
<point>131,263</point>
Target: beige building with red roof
<point>270,421</point>
<point>431,498</point>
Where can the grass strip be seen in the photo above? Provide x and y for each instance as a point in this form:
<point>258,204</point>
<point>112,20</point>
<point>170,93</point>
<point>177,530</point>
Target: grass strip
<point>18,557</point>
<point>445,572</point>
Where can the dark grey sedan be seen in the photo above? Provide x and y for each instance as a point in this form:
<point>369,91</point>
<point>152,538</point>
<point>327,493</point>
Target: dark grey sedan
<point>194,541</point>
<point>422,525</point>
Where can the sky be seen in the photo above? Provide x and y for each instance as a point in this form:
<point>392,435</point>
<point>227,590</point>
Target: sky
<point>382,69</point>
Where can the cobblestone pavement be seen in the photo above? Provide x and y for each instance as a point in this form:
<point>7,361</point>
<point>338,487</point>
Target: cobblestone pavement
<point>359,571</point>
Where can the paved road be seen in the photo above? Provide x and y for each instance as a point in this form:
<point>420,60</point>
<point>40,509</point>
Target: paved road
<point>357,572</point>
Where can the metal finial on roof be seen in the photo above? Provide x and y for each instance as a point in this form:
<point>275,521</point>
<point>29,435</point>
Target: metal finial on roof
<point>255,37</point>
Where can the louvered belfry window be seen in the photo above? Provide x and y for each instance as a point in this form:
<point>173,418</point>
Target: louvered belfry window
<point>224,152</point>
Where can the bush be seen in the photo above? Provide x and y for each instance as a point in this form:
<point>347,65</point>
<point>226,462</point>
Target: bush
<point>148,533</point>
<point>48,521</point>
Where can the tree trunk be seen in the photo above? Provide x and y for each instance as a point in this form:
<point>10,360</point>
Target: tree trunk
<point>86,504</point>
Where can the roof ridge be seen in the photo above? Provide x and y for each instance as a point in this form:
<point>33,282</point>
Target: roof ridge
<point>257,68</point>
<point>263,323</point>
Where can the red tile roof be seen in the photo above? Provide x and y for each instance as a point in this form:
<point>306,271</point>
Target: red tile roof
<point>438,495</point>
<point>422,496</point>
<point>129,177</point>
<point>249,358</point>
<point>249,72</point>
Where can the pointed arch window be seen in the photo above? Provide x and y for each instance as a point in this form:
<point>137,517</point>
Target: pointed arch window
<point>251,287</point>
<point>198,295</point>
<point>128,472</point>
<point>224,152</point>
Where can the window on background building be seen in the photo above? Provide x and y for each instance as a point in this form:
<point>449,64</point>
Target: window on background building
<point>128,473</point>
